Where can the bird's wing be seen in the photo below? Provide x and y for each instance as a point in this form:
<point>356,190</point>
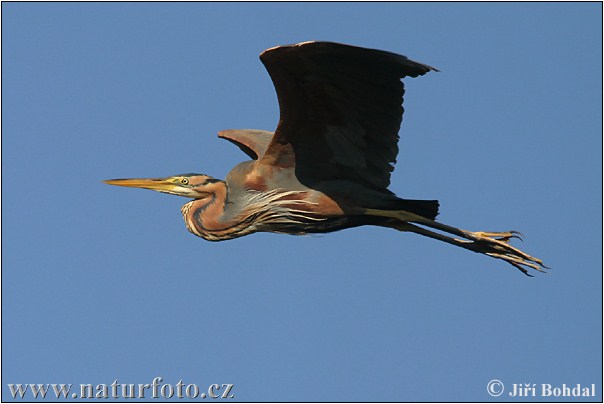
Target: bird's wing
<point>340,110</point>
<point>252,142</point>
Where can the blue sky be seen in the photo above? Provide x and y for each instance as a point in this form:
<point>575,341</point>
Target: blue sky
<point>102,283</point>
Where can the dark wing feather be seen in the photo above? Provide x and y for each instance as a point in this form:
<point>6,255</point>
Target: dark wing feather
<point>340,110</point>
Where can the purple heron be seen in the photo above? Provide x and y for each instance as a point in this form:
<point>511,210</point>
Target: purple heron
<point>327,165</point>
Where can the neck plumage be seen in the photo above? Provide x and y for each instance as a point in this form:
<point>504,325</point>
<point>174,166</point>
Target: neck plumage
<point>202,216</point>
<point>207,218</point>
<point>216,218</point>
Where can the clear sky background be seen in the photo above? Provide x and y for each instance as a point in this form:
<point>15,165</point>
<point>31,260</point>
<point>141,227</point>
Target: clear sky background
<point>102,283</point>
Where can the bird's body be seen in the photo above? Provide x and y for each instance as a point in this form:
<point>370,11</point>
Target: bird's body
<point>246,202</point>
<point>327,166</point>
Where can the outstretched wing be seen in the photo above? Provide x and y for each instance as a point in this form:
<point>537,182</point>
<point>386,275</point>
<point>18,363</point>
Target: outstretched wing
<point>340,110</point>
<point>252,142</point>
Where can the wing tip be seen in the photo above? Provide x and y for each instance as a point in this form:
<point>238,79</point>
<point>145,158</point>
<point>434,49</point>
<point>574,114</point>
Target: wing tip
<point>422,68</point>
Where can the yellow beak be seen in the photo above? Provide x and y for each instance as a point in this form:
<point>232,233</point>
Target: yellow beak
<point>156,184</point>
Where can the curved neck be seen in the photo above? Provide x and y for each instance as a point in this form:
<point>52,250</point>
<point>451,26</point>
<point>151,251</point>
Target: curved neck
<point>206,217</point>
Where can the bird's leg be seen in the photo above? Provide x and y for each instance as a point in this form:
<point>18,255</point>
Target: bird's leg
<point>493,244</point>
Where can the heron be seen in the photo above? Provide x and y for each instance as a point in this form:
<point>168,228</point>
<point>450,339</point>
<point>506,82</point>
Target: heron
<point>327,165</point>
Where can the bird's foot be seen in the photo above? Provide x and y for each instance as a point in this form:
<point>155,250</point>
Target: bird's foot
<point>497,245</point>
<point>504,236</point>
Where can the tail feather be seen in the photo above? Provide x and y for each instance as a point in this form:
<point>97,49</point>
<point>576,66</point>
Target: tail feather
<point>427,209</point>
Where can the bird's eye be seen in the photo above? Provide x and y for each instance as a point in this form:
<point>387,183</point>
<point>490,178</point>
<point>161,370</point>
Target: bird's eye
<point>185,181</point>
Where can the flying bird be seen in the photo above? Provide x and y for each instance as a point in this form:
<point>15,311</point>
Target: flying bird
<point>327,166</point>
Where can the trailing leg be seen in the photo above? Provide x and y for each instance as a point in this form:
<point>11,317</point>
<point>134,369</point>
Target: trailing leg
<point>493,244</point>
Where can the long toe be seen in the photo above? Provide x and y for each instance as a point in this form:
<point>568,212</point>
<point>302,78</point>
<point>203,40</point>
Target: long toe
<point>500,248</point>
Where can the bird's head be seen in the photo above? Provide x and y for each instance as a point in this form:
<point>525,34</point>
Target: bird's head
<point>197,186</point>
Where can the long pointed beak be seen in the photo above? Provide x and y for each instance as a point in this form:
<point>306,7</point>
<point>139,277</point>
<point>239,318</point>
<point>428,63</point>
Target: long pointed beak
<point>156,184</point>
